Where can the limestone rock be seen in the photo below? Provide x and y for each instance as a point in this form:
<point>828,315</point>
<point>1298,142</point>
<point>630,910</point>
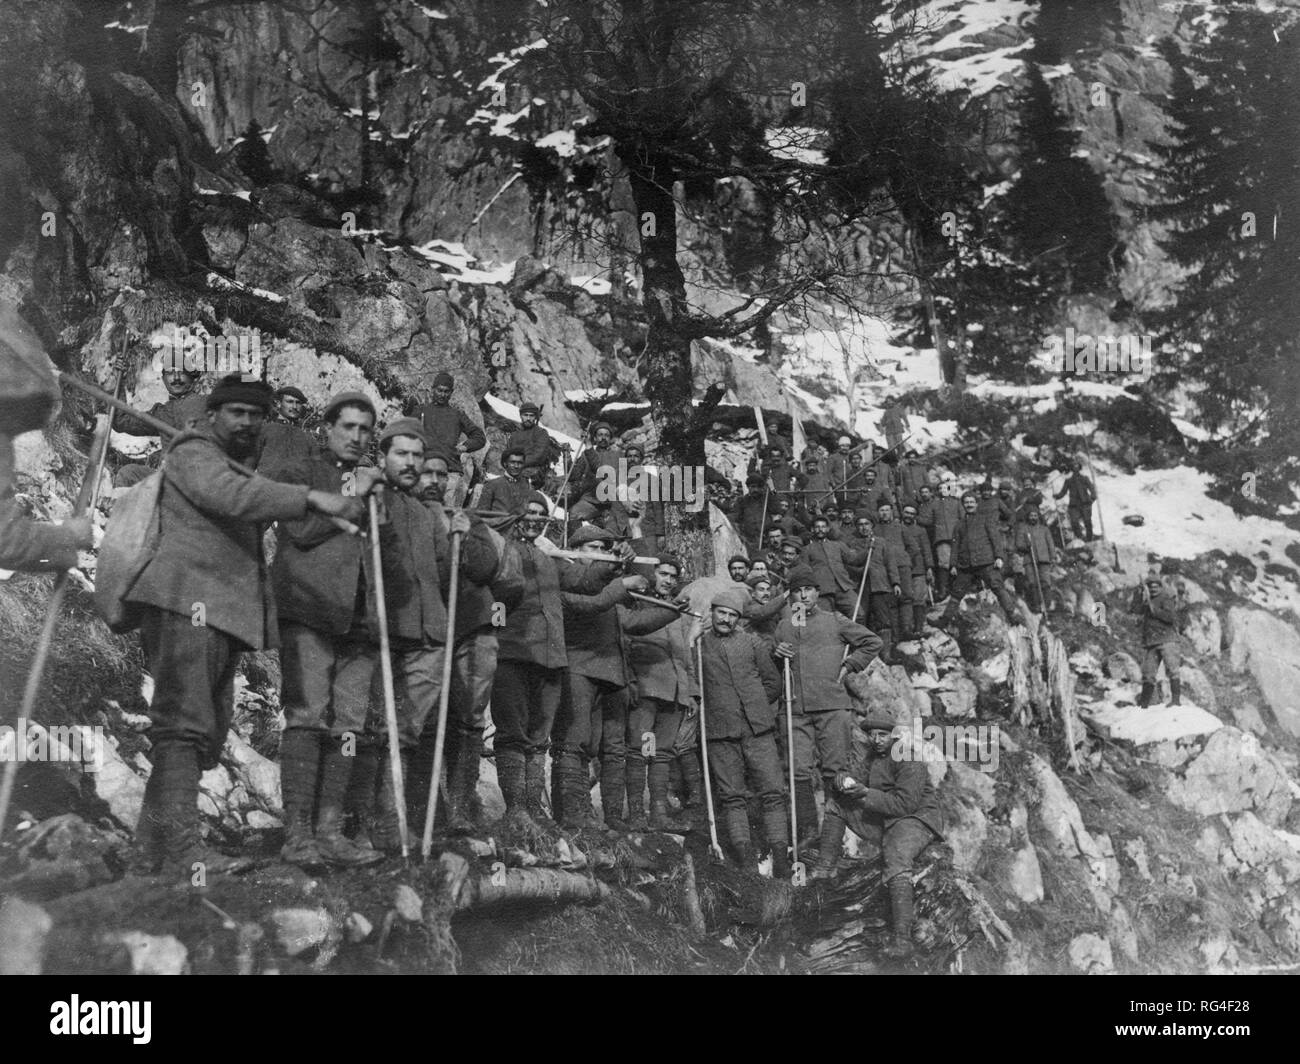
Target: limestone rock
<point>1121,933</point>
<point>1198,689</point>
<point>1123,667</point>
<point>1059,818</point>
<point>153,954</point>
<point>1231,775</point>
<point>1270,649</point>
<point>118,784</point>
<point>260,777</point>
<point>1091,955</point>
<point>1154,724</point>
<point>957,693</point>
<point>1204,630</point>
<point>23,930</point>
<point>298,930</point>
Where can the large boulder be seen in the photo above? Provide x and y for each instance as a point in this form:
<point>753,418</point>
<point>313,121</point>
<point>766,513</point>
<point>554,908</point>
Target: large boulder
<point>1057,816</point>
<point>1204,630</point>
<point>1270,649</point>
<point>1234,774</point>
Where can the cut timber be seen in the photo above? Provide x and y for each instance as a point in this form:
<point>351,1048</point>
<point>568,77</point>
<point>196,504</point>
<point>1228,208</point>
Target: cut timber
<point>531,884</point>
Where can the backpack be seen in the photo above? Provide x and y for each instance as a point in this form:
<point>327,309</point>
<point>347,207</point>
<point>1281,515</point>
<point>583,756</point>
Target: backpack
<point>508,581</point>
<point>130,541</point>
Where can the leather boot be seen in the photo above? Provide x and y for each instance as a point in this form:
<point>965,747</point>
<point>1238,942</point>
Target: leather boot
<point>300,758</point>
<point>918,620</point>
<point>386,833</point>
<point>832,845</point>
<point>900,904</point>
<point>359,802</point>
<point>941,577</point>
<point>692,784</point>
<point>185,855</point>
<point>1148,689</point>
<point>535,789</point>
<point>735,819</point>
<point>636,786</point>
<point>510,777</point>
<point>147,854</point>
<point>1175,692</point>
<point>335,848</point>
<point>462,814</point>
<point>776,830</point>
<point>805,808</point>
<point>576,787</point>
<point>613,784</point>
<point>660,819</point>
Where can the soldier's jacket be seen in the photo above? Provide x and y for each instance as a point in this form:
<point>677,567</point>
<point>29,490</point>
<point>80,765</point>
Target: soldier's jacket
<point>839,470</point>
<point>897,789</point>
<point>819,647</point>
<point>1080,491</point>
<point>596,641</point>
<point>740,685</point>
<point>661,663</point>
<point>540,448</point>
<point>814,488</point>
<point>534,629</point>
<point>318,567</point>
<point>910,474</point>
<point>478,564</point>
<point>887,568</point>
<point>1160,616</point>
<point>443,425</point>
<point>417,566</point>
<point>749,514</point>
<point>872,496</point>
<point>947,513</point>
<point>508,495</point>
<point>585,474</point>
<point>926,513</point>
<point>976,541</point>
<point>829,560</point>
<point>210,548</point>
<point>917,544</point>
<point>281,445</point>
<point>1039,537</point>
<point>185,413</point>
<point>762,618</point>
<point>33,546</point>
<point>782,476</point>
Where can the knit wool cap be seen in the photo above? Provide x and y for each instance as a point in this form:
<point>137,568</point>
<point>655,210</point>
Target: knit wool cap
<point>732,600</point>
<point>444,379</point>
<point>343,399</point>
<point>234,389</point>
<point>670,559</point>
<point>530,408</point>
<point>593,534</point>
<point>760,577</point>
<point>403,426</point>
<point>289,389</point>
<point>877,718</point>
<point>801,576</point>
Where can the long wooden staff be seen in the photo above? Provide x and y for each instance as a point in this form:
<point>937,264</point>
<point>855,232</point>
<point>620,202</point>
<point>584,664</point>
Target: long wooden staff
<point>386,671</point>
<point>86,499</point>
<point>704,750</point>
<point>444,697</point>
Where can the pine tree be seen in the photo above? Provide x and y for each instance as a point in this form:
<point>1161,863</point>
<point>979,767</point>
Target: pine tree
<point>1232,183</point>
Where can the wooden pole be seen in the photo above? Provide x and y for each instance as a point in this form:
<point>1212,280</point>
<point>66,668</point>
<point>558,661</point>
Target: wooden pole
<point>704,752</point>
<point>444,697</point>
<point>789,748</point>
<point>386,671</point>
<point>88,491</point>
<point>857,606</point>
<point>1042,599</point>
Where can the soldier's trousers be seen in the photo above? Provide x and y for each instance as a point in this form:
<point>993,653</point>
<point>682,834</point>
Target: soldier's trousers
<point>326,679</point>
<point>942,563</point>
<point>473,667</point>
<point>1153,656</point>
<point>1081,521</point>
<point>731,759</point>
<point>899,844</point>
<point>417,681</point>
<point>653,725</point>
<point>525,700</point>
<point>969,578</point>
<point>882,618</point>
<point>822,738</point>
<point>193,670</point>
<point>592,719</point>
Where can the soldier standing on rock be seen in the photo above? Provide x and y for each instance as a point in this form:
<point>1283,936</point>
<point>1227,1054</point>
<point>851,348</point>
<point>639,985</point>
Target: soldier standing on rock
<point>329,646</point>
<point>887,798</point>
<point>740,689</point>
<point>204,600</point>
<point>1159,610</point>
<point>185,409</point>
<point>443,426</point>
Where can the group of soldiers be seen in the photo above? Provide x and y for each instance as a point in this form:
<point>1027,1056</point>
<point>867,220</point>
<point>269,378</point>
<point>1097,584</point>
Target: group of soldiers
<point>586,653</point>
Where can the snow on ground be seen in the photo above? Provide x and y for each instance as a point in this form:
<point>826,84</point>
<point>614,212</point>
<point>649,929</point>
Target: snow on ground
<point>948,42</point>
<point>453,260</point>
